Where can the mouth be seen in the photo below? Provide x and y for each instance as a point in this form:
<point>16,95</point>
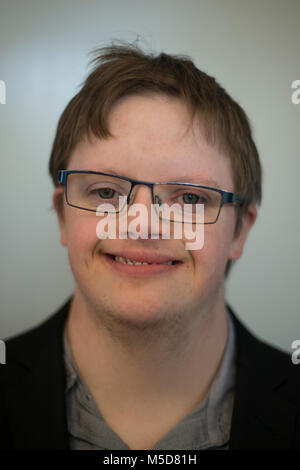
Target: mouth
<point>121,259</point>
<point>143,265</point>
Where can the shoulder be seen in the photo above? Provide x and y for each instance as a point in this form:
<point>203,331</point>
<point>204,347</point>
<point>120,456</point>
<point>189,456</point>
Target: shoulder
<point>24,349</point>
<point>266,412</point>
<point>258,354</point>
<point>32,383</point>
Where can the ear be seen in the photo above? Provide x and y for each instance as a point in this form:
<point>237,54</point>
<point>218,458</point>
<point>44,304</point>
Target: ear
<point>58,204</point>
<point>238,242</point>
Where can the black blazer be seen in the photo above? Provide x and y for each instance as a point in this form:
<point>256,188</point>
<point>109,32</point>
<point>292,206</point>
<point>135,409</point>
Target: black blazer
<point>266,412</point>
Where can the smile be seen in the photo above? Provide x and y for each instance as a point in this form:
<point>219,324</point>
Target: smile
<point>120,259</point>
<point>129,267</point>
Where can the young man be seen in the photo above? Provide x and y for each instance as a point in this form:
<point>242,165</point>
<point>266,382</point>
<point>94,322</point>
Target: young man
<point>146,354</point>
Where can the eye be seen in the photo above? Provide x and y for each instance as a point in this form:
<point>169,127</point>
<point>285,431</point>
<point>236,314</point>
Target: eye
<point>105,193</point>
<point>190,198</point>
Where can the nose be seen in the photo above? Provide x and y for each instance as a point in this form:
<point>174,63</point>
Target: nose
<point>141,194</point>
<point>141,197</point>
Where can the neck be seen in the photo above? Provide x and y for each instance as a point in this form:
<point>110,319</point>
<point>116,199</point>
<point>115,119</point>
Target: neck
<point>156,369</point>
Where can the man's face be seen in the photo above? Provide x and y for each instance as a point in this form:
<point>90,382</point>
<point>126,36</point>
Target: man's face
<point>150,142</point>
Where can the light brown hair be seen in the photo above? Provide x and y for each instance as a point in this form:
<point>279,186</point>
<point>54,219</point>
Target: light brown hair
<point>124,69</point>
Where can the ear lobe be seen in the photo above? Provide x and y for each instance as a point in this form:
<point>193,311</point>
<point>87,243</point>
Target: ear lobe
<point>238,243</point>
<point>58,204</point>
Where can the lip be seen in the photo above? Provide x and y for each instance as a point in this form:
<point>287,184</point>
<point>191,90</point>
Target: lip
<point>143,269</point>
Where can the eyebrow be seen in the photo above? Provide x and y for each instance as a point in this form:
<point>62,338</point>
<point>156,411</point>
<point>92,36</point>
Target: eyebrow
<point>182,179</point>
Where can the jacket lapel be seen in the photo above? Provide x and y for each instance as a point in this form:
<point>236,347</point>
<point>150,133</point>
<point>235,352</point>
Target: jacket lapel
<point>262,417</point>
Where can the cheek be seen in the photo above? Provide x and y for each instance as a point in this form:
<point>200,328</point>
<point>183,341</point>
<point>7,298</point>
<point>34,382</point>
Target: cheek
<point>81,236</point>
<point>211,260</point>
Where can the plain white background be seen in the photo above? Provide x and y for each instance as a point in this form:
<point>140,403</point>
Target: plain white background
<point>252,48</point>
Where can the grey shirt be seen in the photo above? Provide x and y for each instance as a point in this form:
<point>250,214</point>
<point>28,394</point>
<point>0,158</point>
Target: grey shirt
<point>208,426</point>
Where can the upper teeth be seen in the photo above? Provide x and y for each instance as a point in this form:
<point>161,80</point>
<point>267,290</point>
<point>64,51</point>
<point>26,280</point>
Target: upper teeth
<point>120,259</point>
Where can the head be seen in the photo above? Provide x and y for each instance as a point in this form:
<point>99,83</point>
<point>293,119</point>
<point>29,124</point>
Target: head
<point>150,117</point>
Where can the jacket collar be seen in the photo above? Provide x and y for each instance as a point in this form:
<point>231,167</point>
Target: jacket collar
<point>262,418</point>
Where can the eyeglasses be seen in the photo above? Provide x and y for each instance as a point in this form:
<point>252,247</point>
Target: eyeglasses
<point>88,189</point>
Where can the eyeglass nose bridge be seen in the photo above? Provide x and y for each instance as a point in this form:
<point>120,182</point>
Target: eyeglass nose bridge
<point>141,183</point>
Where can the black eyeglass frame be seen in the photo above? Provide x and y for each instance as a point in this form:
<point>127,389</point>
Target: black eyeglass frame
<point>226,196</point>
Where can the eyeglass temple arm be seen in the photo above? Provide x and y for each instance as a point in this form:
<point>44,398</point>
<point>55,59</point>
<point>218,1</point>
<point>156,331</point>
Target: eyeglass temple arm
<point>61,177</point>
<point>230,198</point>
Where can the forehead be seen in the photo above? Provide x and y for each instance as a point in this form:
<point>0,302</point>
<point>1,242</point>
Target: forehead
<point>152,140</point>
